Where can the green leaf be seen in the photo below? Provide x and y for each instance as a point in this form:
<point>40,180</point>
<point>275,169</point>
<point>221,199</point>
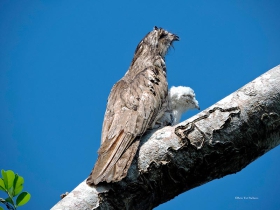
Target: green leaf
<point>2,185</point>
<point>11,177</point>
<point>18,184</point>
<point>8,178</point>
<point>23,198</point>
<point>5,179</point>
<point>18,190</point>
<point>9,200</point>
<point>1,208</point>
<point>14,184</point>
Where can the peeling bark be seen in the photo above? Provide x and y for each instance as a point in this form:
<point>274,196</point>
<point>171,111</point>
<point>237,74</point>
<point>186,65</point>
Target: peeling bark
<point>218,141</point>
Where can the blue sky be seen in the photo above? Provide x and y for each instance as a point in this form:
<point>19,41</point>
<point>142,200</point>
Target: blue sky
<point>59,60</point>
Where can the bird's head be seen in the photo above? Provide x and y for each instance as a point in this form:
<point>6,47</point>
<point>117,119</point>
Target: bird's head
<point>160,40</point>
<point>182,98</point>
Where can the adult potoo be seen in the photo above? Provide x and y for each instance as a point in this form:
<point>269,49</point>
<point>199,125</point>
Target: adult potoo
<point>132,107</point>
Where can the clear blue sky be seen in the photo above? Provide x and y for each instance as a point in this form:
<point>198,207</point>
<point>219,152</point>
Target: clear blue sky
<point>59,60</point>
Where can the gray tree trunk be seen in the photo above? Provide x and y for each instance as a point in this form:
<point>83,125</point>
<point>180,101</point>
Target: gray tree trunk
<point>218,141</point>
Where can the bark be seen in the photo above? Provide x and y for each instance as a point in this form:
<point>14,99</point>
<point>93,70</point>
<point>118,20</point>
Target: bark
<point>218,141</point>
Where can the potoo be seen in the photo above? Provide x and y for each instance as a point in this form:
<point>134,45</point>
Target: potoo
<point>133,105</point>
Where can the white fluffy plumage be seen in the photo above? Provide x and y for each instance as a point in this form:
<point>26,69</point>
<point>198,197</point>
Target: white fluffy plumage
<point>180,100</point>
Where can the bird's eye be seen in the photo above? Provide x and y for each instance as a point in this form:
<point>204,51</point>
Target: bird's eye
<point>162,35</point>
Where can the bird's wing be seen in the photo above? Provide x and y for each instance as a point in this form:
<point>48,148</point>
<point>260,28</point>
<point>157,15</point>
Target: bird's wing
<point>132,106</point>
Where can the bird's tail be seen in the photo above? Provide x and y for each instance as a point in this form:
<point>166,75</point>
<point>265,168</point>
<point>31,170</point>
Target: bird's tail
<point>111,166</point>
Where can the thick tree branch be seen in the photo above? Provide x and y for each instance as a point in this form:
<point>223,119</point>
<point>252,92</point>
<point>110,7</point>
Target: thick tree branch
<point>218,141</point>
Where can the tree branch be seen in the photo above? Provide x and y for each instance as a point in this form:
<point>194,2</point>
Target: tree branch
<point>218,141</point>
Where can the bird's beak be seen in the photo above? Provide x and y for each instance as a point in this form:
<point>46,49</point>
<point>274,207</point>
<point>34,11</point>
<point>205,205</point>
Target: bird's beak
<point>175,37</point>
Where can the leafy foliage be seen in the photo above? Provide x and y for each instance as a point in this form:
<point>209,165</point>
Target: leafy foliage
<point>12,184</point>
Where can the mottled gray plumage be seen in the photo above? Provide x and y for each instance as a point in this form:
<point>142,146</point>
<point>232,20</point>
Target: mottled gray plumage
<point>133,104</point>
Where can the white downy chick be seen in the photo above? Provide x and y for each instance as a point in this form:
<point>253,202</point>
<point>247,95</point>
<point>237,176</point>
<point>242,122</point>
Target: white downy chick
<point>180,100</point>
